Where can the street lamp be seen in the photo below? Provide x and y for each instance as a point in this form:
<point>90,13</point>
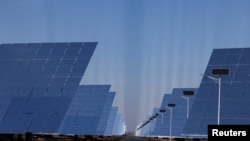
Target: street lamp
<point>187,94</point>
<point>162,111</point>
<point>170,106</point>
<point>219,72</point>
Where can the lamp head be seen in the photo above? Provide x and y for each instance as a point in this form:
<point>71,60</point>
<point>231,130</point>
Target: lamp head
<point>220,71</point>
<point>171,105</point>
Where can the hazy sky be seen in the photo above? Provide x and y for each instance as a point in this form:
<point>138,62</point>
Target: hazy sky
<point>145,47</point>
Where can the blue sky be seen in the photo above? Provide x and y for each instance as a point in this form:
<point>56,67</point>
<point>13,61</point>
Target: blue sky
<point>145,47</point>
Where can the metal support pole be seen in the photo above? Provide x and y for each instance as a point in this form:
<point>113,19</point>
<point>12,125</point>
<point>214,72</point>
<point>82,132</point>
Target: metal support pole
<point>162,118</point>
<point>187,106</point>
<point>170,130</point>
<point>218,122</point>
<point>219,93</point>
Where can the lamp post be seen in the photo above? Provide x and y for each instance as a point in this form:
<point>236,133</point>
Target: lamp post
<point>170,106</point>
<point>187,94</point>
<point>162,111</point>
<point>219,72</point>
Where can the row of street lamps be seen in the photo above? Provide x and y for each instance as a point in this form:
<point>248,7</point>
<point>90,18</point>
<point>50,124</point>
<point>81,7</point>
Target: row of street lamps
<point>170,106</point>
<point>186,94</point>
